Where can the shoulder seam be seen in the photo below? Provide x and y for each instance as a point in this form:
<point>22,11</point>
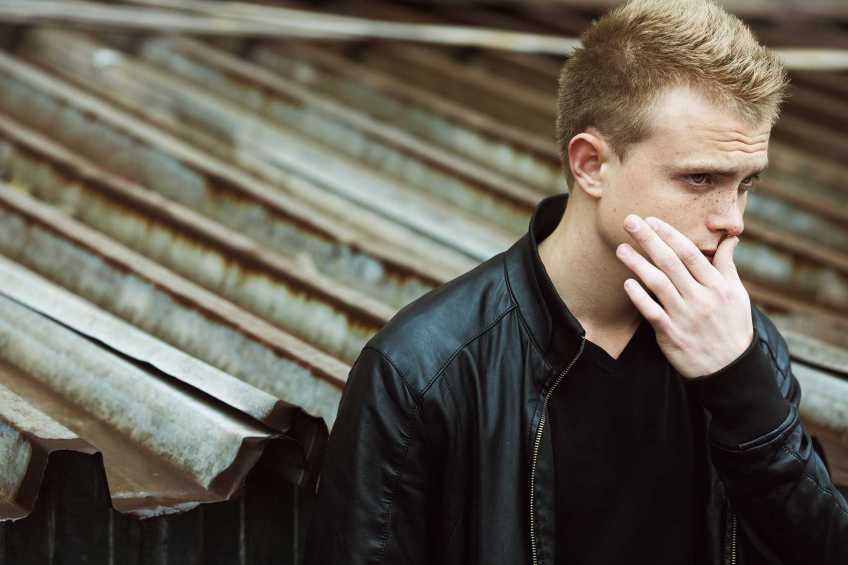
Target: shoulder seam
<point>453,355</point>
<point>400,373</point>
<point>419,397</point>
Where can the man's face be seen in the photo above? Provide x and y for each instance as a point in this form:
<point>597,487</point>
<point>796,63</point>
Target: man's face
<point>693,171</point>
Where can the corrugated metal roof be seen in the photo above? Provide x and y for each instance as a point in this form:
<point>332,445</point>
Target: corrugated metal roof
<point>197,237</point>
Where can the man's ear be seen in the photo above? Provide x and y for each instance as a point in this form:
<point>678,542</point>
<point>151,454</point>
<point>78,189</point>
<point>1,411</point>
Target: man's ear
<point>587,153</point>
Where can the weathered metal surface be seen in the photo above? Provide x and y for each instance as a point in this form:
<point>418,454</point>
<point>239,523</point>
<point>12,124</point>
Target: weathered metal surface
<point>220,259</point>
<point>167,447</point>
<point>174,432</point>
<point>67,309</point>
<point>815,352</point>
<point>832,330</point>
<point>513,103</point>
<point>346,130</point>
<point>361,249</point>
<point>772,256</point>
<point>72,522</point>
<point>161,444</point>
<point>460,129</point>
<point>250,19</point>
<point>528,70</point>
<point>168,306</point>
<point>23,429</point>
<point>219,178</point>
<point>176,104</point>
<point>99,389</point>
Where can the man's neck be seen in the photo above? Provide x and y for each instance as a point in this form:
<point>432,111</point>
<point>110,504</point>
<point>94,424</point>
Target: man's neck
<point>587,274</point>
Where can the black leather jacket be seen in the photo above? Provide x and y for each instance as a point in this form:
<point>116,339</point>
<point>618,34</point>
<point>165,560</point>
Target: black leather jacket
<point>439,453</point>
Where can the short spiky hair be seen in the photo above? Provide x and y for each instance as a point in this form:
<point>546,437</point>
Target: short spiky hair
<point>636,51</point>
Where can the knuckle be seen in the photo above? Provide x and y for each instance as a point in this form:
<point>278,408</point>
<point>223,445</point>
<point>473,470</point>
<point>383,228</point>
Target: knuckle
<point>667,262</point>
<point>664,286</point>
<point>656,318</point>
<point>663,325</point>
<point>656,280</point>
<point>689,257</point>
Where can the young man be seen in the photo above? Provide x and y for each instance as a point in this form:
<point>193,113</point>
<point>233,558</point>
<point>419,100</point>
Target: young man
<point>599,393</point>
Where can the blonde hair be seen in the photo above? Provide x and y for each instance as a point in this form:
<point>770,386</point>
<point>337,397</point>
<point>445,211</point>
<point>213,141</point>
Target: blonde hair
<point>636,51</point>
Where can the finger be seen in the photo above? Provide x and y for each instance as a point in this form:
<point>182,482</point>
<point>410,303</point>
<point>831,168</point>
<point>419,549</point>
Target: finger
<point>647,306</point>
<point>663,256</point>
<point>653,279</point>
<point>695,262</point>
<point>723,261</point>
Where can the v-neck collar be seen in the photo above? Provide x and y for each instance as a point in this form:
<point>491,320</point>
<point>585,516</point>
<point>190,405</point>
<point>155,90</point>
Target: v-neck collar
<point>598,356</point>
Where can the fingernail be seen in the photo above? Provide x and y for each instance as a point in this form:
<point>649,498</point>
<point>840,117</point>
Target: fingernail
<point>631,223</point>
<point>653,222</point>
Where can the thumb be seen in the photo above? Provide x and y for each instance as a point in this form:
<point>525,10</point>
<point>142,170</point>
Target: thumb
<point>723,260</point>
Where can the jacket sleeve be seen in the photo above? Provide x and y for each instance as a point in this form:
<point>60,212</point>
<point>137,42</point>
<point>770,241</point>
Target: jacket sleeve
<point>777,483</point>
<point>373,500</point>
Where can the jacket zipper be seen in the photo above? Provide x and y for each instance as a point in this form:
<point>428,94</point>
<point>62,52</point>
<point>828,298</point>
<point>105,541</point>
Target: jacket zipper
<point>537,442</point>
<point>732,538</point>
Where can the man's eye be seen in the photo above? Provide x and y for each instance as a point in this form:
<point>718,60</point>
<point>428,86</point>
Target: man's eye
<point>699,179</point>
<point>749,182</point>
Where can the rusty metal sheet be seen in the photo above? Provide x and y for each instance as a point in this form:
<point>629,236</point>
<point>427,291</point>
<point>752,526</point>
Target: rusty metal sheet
<point>205,64</point>
<point>177,105</point>
<point>219,259</point>
<point>461,129</point>
<point>67,309</point>
<point>24,433</point>
<point>137,409</point>
<point>168,306</point>
<point>325,224</point>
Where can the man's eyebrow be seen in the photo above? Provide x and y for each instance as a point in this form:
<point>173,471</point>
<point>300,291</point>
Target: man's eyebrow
<point>711,168</point>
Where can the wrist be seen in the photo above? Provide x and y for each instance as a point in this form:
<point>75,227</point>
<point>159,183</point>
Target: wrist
<point>743,398</point>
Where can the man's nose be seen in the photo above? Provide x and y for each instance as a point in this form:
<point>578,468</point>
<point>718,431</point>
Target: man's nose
<point>728,218</point>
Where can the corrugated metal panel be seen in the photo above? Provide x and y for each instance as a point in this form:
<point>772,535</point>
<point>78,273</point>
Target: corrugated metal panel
<point>197,237</point>
<point>216,257</point>
<point>198,115</point>
<point>82,391</point>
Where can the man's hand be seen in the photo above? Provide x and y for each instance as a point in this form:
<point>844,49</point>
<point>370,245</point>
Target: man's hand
<point>704,320</point>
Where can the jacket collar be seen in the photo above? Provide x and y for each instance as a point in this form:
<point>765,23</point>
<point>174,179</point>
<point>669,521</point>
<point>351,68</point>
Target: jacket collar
<point>556,331</point>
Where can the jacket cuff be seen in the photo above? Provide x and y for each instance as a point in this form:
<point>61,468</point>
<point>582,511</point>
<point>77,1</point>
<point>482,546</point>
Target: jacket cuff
<point>743,398</point>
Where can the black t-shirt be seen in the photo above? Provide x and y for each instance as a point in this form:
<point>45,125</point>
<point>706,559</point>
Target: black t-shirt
<point>625,459</point>
<point>629,444</point>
